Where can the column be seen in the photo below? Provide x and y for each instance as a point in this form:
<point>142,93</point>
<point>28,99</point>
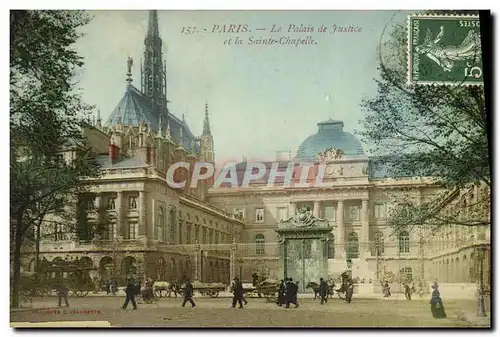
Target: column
<point>282,259</point>
<point>316,209</point>
<point>232,262</point>
<point>142,216</point>
<point>365,227</point>
<point>119,230</point>
<point>340,237</point>
<point>293,207</point>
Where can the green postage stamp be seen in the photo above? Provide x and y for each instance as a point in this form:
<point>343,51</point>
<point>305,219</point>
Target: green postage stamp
<point>444,50</point>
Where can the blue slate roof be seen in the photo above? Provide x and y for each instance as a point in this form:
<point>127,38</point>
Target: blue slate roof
<point>330,135</point>
<point>122,162</point>
<point>134,108</point>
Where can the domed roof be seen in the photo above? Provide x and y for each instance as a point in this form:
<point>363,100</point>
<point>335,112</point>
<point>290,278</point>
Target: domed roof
<point>330,134</point>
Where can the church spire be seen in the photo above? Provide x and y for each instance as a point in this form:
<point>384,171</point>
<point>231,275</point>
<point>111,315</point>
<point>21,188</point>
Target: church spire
<point>153,25</point>
<point>206,122</point>
<point>153,74</point>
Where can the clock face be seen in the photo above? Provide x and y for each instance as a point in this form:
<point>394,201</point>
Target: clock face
<point>329,170</point>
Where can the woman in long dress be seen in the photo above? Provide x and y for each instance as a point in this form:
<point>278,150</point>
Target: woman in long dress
<point>386,290</point>
<point>437,308</point>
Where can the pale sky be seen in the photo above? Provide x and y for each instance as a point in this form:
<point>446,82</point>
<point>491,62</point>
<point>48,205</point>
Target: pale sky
<point>262,99</point>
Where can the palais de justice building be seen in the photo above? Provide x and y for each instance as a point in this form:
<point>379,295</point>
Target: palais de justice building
<point>212,234</point>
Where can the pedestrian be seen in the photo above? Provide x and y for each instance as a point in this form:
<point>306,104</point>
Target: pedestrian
<point>188,294</point>
<point>386,290</point>
<point>349,291</point>
<point>130,292</point>
<point>113,286</point>
<point>323,291</point>
<point>62,293</point>
<point>407,291</point>
<point>437,308</point>
<point>281,293</point>
<point>237,293</point>
<point>107,285</point>
<point>291,293</point>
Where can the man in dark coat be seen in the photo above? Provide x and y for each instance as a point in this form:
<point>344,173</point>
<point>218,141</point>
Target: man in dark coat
<point>291,293</point>
<point>130,291</point>
<point>323,291</point>
<point>188,294</point>
<point>349,291</point>
<point>237,293</point>
<point>62,293</point>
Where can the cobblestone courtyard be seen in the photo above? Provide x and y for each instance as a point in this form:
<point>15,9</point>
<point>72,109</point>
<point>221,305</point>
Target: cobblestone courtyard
<point>218,313</point>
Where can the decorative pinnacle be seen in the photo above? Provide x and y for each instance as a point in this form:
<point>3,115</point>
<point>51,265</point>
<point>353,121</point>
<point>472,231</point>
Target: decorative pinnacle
<point>130,63</point>
<point>206,122</point>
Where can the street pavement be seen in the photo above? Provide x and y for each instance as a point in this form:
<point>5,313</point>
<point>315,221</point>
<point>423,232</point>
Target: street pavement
<point>167,312</point>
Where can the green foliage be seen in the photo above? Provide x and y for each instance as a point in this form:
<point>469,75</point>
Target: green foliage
<point>49,156</point>
<point>425,131</point>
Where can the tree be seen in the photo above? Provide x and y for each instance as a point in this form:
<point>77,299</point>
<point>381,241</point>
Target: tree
<point>49,156</point>
<point>426,131</point>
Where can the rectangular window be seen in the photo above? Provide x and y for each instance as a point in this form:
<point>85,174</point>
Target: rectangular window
<point>197,234</point>
<point>132,202</point>
<point>132,230</point>
<point>259,215</point>
<point>111,203</point>
<point>330,213</point>
<point>282,213</point>
<point>353,212</point>
<point>58,232</point>
<point>205,236</point>
<point>109,231</point>
<point>380,211</point>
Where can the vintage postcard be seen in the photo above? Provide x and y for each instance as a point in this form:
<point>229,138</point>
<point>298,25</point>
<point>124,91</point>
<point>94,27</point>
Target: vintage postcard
<point>249,169</point>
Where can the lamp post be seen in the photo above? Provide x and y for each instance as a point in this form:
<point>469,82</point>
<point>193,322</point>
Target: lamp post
<point>481,251</point>
<point>378,262</point>
<point>240,261</point>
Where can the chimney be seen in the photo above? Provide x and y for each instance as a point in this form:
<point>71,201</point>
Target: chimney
<point>113,152</point>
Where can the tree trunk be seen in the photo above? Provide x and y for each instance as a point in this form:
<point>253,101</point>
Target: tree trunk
<point>14,298</point>
<point>37,246</point>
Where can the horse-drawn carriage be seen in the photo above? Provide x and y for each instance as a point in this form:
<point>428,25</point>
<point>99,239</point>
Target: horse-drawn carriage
<point>269,289</point>
<point>49,275</point>
<point>345,277</point>
<point>166,289</point>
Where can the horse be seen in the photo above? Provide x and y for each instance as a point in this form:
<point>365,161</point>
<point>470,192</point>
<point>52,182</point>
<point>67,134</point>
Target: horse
<point>167,287</point>
<point>315,287</point>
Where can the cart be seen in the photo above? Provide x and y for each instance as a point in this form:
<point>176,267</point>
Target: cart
<point>268,289</point>
<point>206,289</point>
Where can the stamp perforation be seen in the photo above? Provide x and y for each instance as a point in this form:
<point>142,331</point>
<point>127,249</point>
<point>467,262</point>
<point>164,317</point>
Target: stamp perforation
<point>424,16</point>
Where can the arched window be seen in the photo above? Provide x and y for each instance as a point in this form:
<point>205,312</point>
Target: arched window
<point>259,244</point>
<point>173,226</point>
<point>352,246</point>
<point>160,223</point>
<point>331,246</point>
<point>406,275</point>
<point>378,242</point>
<point>404,242</point>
